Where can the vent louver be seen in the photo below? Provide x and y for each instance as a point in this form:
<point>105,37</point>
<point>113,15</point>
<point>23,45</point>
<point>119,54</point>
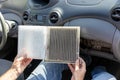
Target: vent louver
<point>54,17</point>
<point>116,14</point>
<point>25,15</point>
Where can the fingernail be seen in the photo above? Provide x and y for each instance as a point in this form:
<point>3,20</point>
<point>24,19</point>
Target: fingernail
<point>79,60</point>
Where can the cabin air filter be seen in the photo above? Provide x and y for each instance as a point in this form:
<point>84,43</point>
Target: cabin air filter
<point>52,44</point>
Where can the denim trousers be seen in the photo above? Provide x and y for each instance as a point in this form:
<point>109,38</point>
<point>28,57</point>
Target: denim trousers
<point>53,71</point>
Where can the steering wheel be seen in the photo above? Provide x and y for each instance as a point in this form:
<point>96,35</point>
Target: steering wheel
<point>4,31</point>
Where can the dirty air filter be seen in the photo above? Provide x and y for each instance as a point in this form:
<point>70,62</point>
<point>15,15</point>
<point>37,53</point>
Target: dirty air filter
<point>63,44</point>
<point>53,44</point>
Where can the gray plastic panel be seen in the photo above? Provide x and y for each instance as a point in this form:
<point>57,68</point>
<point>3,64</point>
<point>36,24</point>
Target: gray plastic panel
<point>84,2</point>
<point>116,44</point>
<point>69,11</point>
<point>12,16</point>
<point>94,29</point>
<point>18,5</point>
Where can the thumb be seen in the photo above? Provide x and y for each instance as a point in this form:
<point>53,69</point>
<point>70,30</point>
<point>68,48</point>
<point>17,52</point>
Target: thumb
<point>77,64</point>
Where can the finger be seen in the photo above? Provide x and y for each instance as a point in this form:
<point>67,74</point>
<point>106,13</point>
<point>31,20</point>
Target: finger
<point>77,64</point>
<point>27,61</point>
<point>72,69</point>
<point>23,52</point>
<point>20,58</point>
<point>83,64</point>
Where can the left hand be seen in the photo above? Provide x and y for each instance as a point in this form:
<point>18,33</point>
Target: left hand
<point>20,63</point>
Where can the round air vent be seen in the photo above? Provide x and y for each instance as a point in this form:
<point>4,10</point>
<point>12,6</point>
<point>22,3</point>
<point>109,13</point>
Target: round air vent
<point>116,14</point>
<point>25,15</point>
<point>54,17</point>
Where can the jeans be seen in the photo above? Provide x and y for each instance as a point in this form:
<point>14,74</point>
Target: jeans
<point>100,73</point>
<point>53,71</point>
<point>48,71</point>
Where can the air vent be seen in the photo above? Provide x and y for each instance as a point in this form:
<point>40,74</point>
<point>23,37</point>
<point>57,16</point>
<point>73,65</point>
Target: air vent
<point>25,15</point>
<point>40,3</point>
<point>116,14</point>
<point>54,17</point>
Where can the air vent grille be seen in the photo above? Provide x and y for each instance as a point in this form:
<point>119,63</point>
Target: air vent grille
<point>25,15</point>
<point>54,17</point>
<point>116,14</point>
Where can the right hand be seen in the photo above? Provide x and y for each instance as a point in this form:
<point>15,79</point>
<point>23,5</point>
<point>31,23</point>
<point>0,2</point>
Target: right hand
<point>78,69</point>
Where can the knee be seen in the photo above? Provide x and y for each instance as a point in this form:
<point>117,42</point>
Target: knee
<point>100,73</point>
<point>103,76</point>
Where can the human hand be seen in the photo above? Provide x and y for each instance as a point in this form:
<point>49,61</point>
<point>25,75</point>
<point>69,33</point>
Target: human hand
<point>78,69</point>
<point>21,62</point>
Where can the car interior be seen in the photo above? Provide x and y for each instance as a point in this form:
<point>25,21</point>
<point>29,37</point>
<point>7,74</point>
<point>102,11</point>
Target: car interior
<point>99,21</point>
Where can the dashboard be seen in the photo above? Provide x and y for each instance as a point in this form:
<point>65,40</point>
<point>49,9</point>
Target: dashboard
<point>99,21</point>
